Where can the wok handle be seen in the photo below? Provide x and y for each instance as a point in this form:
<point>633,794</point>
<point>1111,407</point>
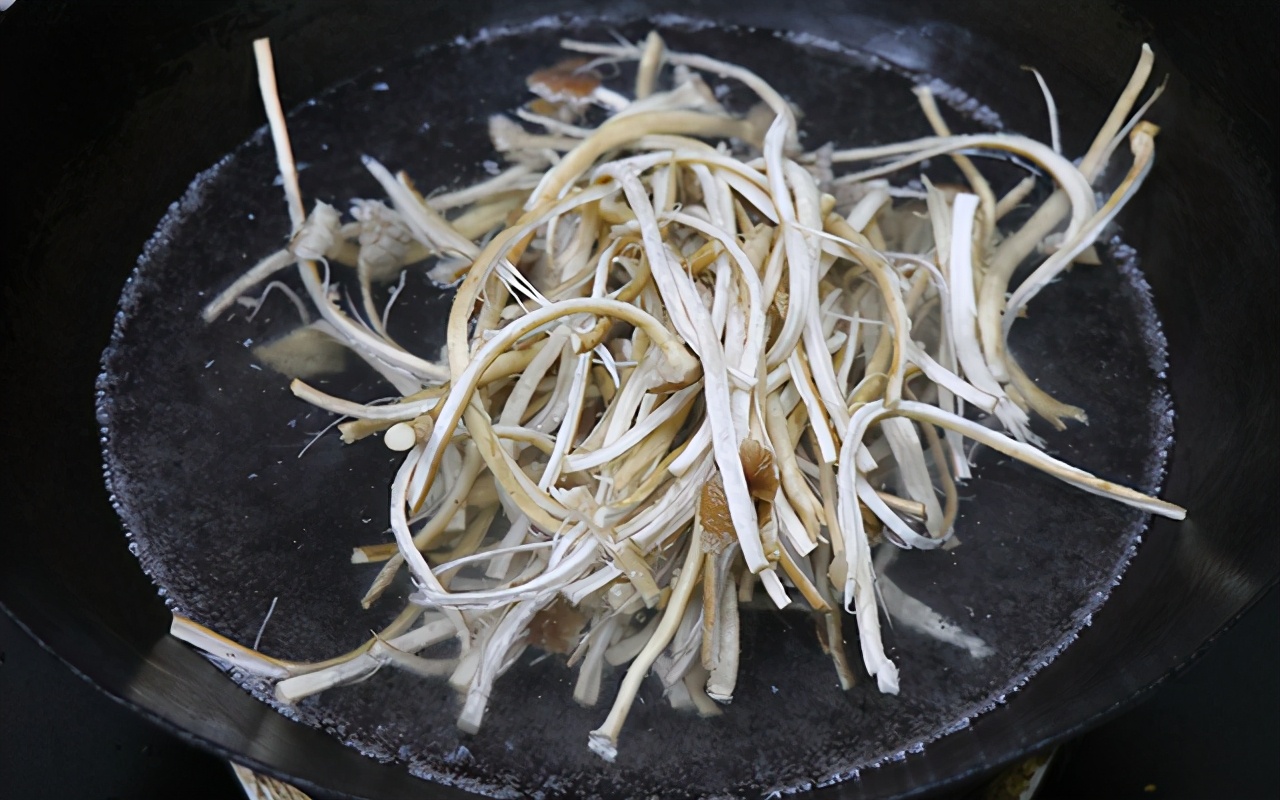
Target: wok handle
<point>263,787</point>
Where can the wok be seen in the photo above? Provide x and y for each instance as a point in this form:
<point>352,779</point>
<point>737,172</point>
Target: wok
<point>98,159</point>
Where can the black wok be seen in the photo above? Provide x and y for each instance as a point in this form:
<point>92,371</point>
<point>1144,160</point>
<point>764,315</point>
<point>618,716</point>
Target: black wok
<point>121,105</point>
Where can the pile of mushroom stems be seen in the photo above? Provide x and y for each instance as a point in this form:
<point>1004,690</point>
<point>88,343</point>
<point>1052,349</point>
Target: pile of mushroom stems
<point>689,367</point>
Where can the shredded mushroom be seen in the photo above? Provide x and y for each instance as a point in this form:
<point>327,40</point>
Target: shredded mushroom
<point>679,370</point>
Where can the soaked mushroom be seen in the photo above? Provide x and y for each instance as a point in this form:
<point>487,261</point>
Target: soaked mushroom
<point>685,359</point>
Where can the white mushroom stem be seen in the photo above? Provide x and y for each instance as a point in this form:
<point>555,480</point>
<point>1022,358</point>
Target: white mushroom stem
<point>296,688</point>
<point>603,741</point>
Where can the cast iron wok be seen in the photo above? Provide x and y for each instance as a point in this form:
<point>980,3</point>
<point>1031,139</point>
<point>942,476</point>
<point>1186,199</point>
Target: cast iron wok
<point>69,578</point>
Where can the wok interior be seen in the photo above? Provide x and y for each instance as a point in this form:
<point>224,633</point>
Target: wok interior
<point>1209,204</point>
<point>228,518</point>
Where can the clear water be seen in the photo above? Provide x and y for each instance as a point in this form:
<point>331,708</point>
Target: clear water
<point>224,515</point>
